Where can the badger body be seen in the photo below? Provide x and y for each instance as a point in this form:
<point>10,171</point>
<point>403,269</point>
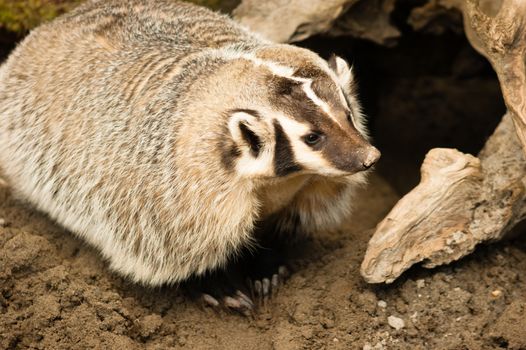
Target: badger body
<point>162,133</point>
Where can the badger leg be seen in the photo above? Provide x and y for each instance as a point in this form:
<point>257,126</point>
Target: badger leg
<point>251,277</point>
<point>266,271</point>
<point>263,289</point>
<point>266,265</point>
<point>244,285</point>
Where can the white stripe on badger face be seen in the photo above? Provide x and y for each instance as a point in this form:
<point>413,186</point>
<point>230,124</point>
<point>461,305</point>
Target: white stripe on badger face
<point>275,68</point>
<point>288,72</point>
<point>307,88</point>
<point>313,161</point>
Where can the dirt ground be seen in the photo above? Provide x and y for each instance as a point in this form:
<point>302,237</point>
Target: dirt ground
<point>56,293</point>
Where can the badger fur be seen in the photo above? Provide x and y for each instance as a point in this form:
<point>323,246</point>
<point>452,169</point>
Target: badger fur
<point>162,133</point>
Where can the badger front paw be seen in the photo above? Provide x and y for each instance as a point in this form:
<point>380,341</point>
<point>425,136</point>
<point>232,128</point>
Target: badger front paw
<point>221,289</point>
<point>244,286</point>
<point>266,272</point>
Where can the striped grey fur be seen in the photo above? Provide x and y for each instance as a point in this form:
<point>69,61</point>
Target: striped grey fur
<point>161,132</point>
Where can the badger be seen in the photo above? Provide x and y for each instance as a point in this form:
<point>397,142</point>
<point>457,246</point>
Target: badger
<point>176,141</point>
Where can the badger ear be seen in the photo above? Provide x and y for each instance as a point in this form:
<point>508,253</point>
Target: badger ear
<point>342,70</point>
<point>247,130</point>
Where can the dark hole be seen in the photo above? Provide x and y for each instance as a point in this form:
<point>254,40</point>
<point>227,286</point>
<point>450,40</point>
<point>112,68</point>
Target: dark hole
<point>428,91</point>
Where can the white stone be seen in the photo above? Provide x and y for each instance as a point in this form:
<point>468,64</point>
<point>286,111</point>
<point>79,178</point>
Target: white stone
<point>395,322</point>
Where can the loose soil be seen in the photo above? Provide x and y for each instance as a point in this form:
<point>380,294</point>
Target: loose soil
<point>57,293</point>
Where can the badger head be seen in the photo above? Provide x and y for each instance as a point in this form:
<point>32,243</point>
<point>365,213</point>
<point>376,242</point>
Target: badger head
<point>296,113</point>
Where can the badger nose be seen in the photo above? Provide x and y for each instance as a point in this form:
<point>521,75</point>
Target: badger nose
<point>372,154</point>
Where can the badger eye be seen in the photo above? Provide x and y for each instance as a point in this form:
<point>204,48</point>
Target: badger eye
<point>312,138</point>
<point>349,117</point>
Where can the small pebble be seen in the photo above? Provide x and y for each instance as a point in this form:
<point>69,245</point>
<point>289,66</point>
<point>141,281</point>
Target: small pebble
<point>496,293</point>
<point>382,304</point>
<point>420,283</point>
<point>3,223</point>
<point>395,322</point>
<point>367,347</point>
<point>335,340</point>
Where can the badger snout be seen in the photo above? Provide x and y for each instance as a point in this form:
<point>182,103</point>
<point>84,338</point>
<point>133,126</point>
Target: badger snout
<point>370,156</point>
<point>355,158</point>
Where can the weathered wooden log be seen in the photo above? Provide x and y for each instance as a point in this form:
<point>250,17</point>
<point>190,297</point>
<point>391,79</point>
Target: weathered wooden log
<point>290,21</point>
<point>497,29</point>
<point>460,202</point>
<point>287,21</point>
<point>369,19</point>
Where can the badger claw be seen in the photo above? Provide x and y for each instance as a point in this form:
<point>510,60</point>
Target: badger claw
<point>245,301</point>
<point>209,300</point>
<point>265,288</point>
<point>239,302</point>
<point>231,296</point>
<point>274,283</point>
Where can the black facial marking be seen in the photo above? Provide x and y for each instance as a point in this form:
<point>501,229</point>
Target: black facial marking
<point>286,86</point>
<point>251,139</point>
<point>284,162</point>
<point>289,96</point>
